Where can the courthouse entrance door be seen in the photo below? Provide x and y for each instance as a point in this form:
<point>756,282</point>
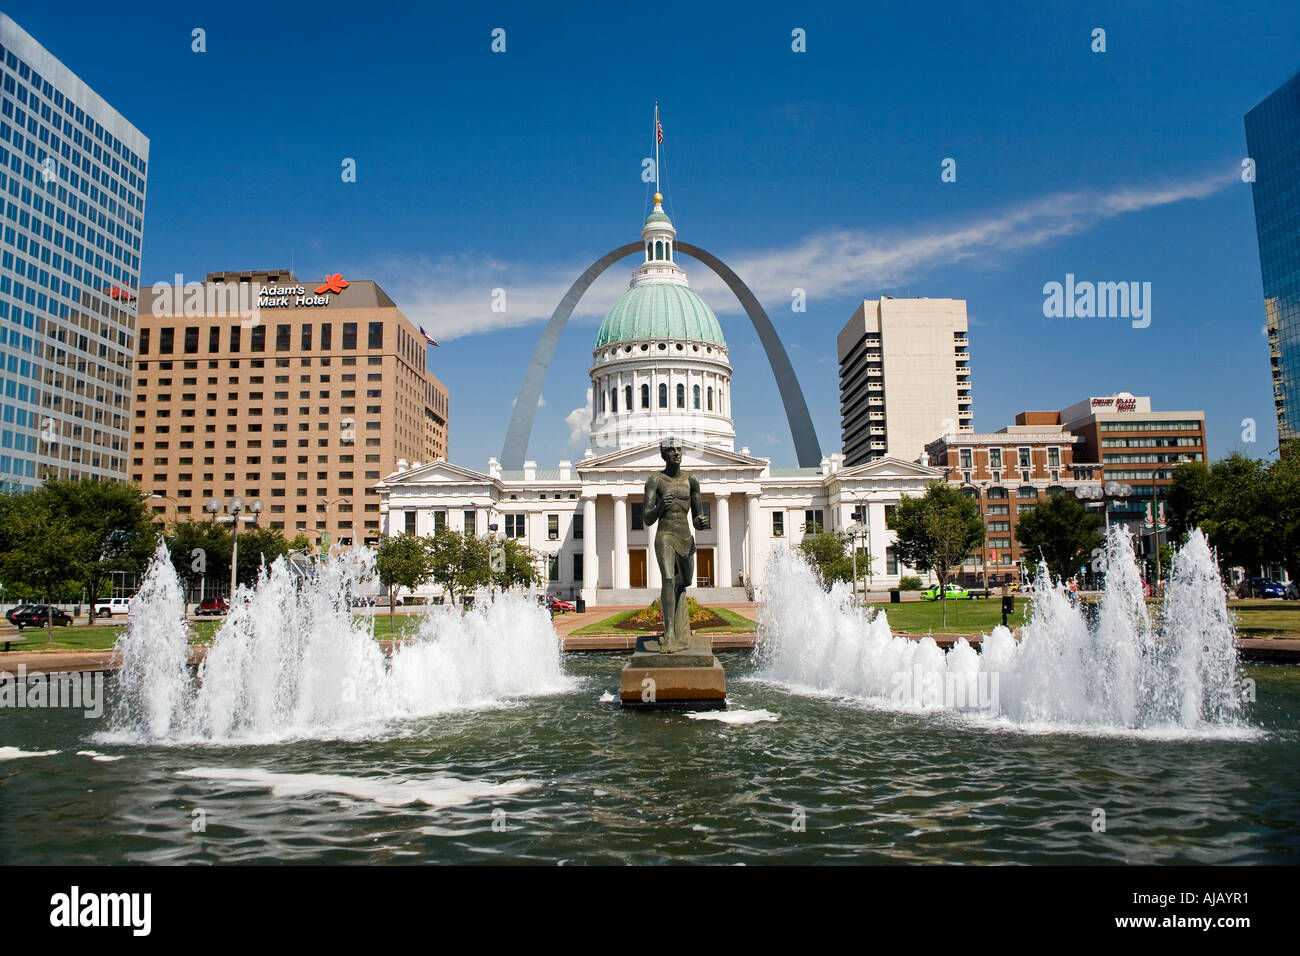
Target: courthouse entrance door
<point>636,568</point>
<point>704,567</point>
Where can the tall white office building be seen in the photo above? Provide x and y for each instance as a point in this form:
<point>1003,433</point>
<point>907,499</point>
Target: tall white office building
<point>904,377</point>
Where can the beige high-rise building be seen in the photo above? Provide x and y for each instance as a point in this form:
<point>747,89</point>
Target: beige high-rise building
<point>299,394</point>
<point>904,377</point>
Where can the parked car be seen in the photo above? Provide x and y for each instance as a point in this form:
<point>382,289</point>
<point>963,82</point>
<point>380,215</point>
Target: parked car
<point>1290,592</point>
<point>955,592</point>
<point>560,606</point>
<point>213,605</point>
<point>12,613</point>
<point>1265,588</point>
<point>109,607</point>
<point>39,615</point>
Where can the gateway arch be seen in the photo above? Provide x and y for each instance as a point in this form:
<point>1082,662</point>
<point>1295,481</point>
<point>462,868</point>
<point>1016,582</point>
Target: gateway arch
<point>807,449</point>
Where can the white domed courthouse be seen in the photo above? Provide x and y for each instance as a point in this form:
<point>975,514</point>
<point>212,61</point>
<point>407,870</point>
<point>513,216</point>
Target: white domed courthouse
<point>660,366</point>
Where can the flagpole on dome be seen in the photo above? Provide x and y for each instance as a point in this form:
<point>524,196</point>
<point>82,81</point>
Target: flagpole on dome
<point>658,139</point>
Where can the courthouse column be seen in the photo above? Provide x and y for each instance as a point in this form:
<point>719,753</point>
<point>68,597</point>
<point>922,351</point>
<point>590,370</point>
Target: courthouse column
<point>590,560</point>
<point>722,522</point>
<point>621,572</point>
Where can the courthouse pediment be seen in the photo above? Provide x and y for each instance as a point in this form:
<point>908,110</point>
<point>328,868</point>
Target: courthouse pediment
<point>888,468</point>
<point>434,472</point>
<point>643,459</point>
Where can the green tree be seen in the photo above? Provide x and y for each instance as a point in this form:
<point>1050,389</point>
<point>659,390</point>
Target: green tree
<point>37,548</point>
<point>256,545</point>
<point>936,531</point>
<point>460,561</point>
<point>520,568</point>
<point>403,561</point>
<point>1283,498</point>
<point>828,552</point>
<point>1063,531</point>
<point>1240,504</point>
<point>110,530</point>
<point>200,550</point>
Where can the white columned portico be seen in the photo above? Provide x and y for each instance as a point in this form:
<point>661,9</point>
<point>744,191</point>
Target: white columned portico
<point>751,536</point>
<point>723,578</point>
<point>621,573</point>
<point>590,561</point>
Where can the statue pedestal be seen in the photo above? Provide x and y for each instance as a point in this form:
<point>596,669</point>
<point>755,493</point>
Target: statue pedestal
<point>691,679</point>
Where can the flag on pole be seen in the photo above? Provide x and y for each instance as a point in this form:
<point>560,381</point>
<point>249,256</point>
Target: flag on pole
<point>427,337</point>
<point>659,127</point>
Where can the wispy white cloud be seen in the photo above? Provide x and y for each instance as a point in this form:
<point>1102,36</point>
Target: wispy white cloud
<point>454,296</point>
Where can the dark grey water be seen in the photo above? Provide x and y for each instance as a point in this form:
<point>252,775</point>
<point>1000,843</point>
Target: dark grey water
<point>829,781</point>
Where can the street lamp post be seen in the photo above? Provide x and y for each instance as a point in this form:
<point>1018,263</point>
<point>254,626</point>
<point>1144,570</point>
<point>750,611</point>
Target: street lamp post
<point>1112,490</point>
<point>328,503</point>
<point>175,504</point>
<point>982,501</point>
<point>236,505</point>
<point>864,529</point>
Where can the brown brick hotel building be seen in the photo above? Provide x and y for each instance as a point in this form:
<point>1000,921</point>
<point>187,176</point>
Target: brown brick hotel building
<point>300,394</point>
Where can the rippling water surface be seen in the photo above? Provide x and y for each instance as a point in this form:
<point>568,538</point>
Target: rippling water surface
<point>567,778</point>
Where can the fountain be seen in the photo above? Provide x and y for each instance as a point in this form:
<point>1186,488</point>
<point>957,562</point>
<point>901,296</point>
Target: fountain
<point>1125,674</point>
<point>298,739</point>
<point>292,660</point>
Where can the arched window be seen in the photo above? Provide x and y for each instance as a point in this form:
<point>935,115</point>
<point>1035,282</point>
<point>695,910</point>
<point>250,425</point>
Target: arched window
<point>627,397</point>
<point>710,398</point>
<point>668,250</point>
<point>697,398</point>
<point>681,396</point>
<point>602,401</point>
<point>613,400</point>
<point>659,249</point>
<point>649,252</point>
<point>645,396</point>
<point>663,395</point>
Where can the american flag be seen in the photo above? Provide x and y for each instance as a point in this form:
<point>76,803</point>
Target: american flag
<point>427,337</point>
<point>659,127</point>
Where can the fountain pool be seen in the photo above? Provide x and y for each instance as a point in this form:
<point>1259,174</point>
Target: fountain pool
<point>483,745</point>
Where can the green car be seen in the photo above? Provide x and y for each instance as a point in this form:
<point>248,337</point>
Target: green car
<point>955,593</point>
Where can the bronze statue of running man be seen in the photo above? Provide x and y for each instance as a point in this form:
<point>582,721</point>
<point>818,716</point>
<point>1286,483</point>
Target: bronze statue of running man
<point>669,495</point>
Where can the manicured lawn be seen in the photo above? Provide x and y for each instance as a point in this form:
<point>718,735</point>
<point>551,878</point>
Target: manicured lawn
<point>736,624</point>
<point>976,616</point>
<point>97,638</point>
<point>103,637</point>
<point>1258,617</point>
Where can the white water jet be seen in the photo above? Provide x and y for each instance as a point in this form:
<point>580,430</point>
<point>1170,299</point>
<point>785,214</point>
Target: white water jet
<point>292,660</point>
<point>153,653</point>
<point>1124,674</point>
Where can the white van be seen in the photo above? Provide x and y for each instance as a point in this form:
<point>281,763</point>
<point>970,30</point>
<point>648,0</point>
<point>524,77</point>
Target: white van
<point>110,607</point>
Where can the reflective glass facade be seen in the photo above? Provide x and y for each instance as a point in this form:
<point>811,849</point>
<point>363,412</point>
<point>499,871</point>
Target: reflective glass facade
<point>72,189</point>
<point>1273,141</point>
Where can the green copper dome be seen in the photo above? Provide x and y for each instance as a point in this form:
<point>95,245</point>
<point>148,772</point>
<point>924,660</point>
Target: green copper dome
<point>660,311</point>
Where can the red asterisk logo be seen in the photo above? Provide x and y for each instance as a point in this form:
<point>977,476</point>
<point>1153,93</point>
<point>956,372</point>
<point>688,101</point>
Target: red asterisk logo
<point>334,283</point>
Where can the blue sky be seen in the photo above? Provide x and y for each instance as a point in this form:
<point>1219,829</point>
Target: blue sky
<point>820,170</point>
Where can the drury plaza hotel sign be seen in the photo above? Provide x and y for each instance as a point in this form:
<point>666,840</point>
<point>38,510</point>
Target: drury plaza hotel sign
<point>1115,403</point>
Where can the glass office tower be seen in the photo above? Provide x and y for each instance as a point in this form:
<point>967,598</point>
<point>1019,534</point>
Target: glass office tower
<point>1273,141</point>
<point>72,188</point>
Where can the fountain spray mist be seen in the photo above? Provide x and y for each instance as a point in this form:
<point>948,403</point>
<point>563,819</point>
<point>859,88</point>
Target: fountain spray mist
<point>1127,673</point>
<point>292,660</point>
